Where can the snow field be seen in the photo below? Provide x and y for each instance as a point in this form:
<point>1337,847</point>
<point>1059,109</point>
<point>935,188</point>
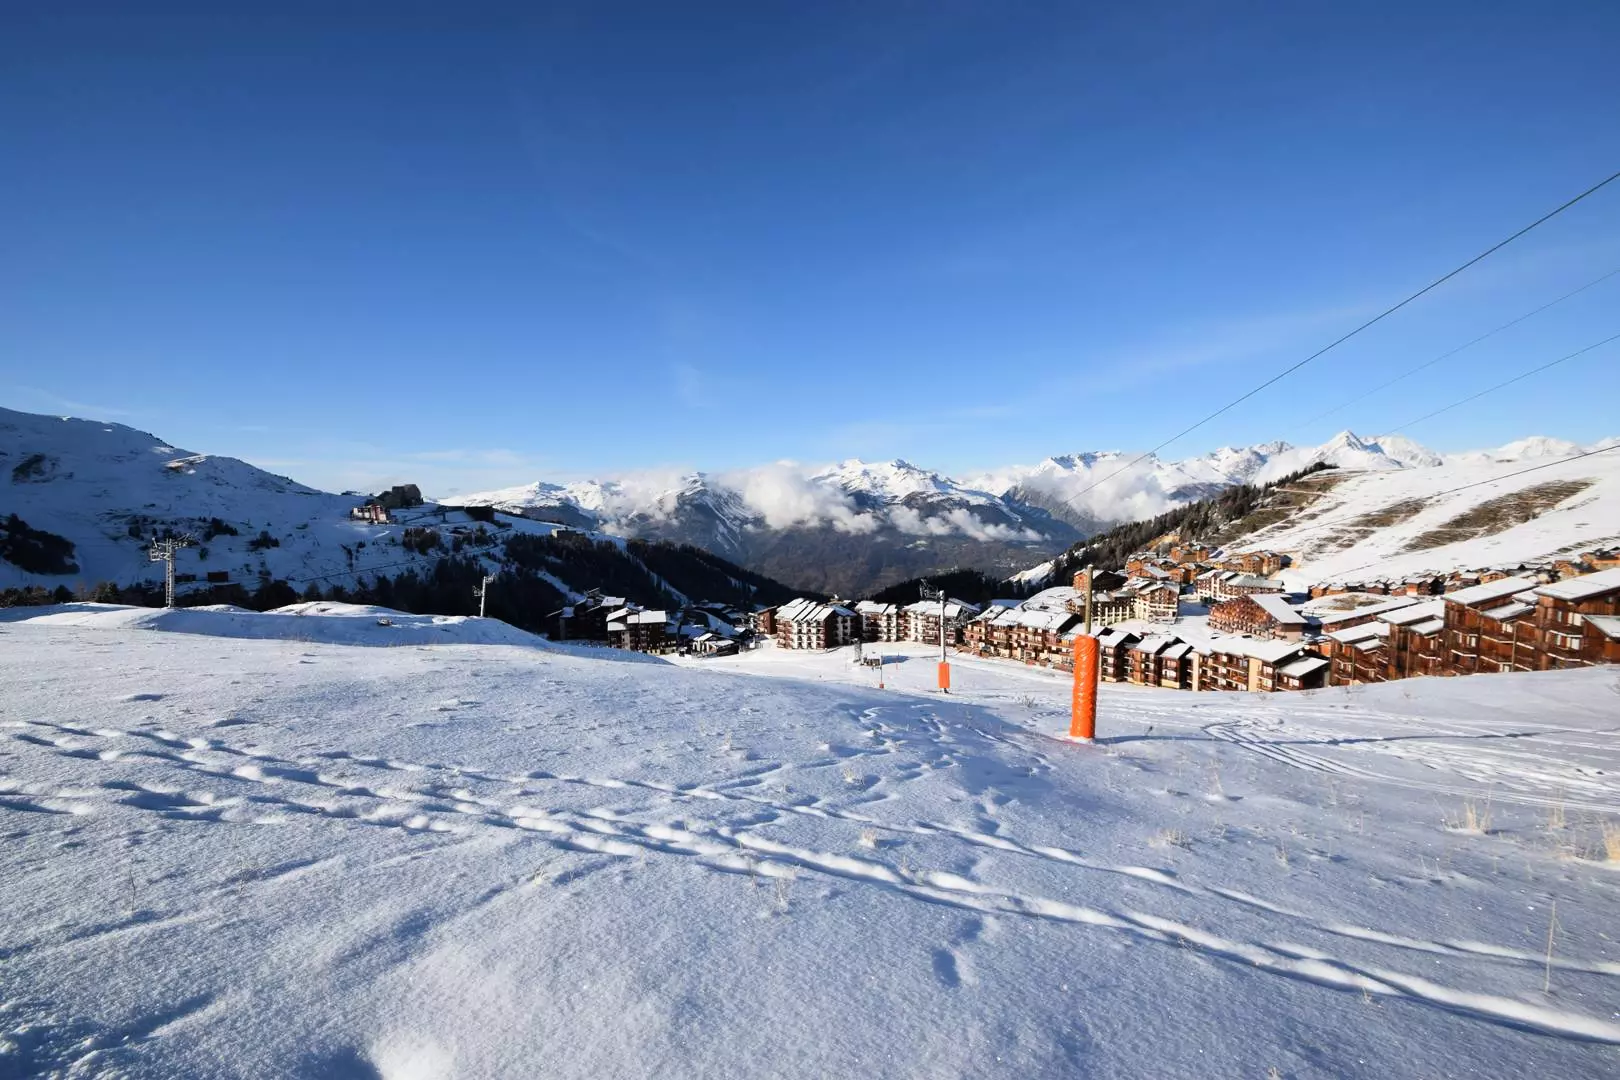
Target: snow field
<point>240,855</point>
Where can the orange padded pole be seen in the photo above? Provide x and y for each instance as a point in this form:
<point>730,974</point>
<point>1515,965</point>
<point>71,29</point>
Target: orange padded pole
<point>1083,725</point>
<point>945,676</point>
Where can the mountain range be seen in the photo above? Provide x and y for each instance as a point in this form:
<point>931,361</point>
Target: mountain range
<point>848,528</point>
<point>855,526</point>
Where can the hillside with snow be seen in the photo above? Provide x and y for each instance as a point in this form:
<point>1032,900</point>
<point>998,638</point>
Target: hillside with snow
<point>855,526</point>
<point>1473,511</point>
<point>238,851</point>
<point>109,490</point>
<point>848,528</point>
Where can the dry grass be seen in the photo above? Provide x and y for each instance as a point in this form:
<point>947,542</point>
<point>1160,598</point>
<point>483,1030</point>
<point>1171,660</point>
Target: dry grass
<point>1475,818</point>
<point>1171,838</point>
<point>1358,529</point>
<point>1611,841</point>
<point>1500,514</point>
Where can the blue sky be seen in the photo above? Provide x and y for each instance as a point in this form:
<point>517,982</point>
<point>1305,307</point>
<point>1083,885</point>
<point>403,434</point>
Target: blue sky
<point>474,245</point>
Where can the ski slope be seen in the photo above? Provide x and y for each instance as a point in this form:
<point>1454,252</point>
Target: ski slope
<point>245,854</point>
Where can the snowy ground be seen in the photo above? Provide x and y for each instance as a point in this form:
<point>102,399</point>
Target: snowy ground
<point>261,854</point>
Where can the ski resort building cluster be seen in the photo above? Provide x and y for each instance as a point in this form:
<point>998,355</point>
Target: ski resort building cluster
<point>1227,627</point>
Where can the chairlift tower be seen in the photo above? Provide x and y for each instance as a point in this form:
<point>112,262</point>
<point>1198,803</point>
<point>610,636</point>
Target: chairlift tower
<point>482,591</point>
<point>163,551</point>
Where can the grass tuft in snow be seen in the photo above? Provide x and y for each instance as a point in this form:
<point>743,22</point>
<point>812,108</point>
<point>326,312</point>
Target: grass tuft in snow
<point>1475,818</point>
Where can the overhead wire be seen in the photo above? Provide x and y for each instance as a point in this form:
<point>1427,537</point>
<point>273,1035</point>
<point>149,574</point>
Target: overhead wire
<point>1509,382</point>
<point>1436,283</point>
<point>1381,387</point>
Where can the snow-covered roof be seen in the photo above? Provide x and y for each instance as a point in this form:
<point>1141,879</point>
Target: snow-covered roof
<point>954,609</point>
<point>1176,651</point>
<point>1152,644</point>
<point>1509,611</point>
<point>1428,626</point>
<point>644,618</point>
<point>1112,636</point>
<point>1394,603</point>
<point>1583,587</point>
<point>802,610</point>
<point>1499,589</point>
<point>1254,581</point>
<point>1415,613</point>
<point>872,607</point>
<point>1270,651</point>
<point>1055,598</point>
<point>1368,633</point>
<point>1037,620</point>
<point>1303,666</point>
<point>1274,605</point>
<point>1607,625</point>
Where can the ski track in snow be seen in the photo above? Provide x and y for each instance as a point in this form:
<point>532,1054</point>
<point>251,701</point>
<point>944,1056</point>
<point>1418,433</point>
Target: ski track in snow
<point>441,801</point>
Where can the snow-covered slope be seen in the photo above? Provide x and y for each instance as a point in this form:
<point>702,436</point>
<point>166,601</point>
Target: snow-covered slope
<point>110,489</point>
<point>1411,521</point>
<point>248,858</point>
<point>1094,490</point>
<point>848,528</point>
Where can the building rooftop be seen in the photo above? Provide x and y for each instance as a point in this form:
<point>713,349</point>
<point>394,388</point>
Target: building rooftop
<point>1366,632</point>
<point>1303,666</point>
<point>1274,605</point>
<point>1415,613</point>
<point>1607,625</point>
<point>1510,611</point>
<point>1583,587</point>
<point>1269,651</point>
<point>1500,589</point>
<point>1327,617</point>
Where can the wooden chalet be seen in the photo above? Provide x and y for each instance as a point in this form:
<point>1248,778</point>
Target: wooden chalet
<point>1329,616</point>
<point>1600,639</point>
<point>1306,672</point>
<point>1261,615</point>
<point>1566,613</point>
<point>1189,553</point>
<point>1416,639</point>
<point>1228,584</point>
<point>1250,664</point>
<point>1261,563</point>
<point>1480,634</point>
<point>1357,654</point>
<point>1032,635</point>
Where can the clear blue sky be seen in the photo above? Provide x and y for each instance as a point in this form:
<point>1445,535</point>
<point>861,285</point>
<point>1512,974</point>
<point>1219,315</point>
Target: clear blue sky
<point>472,244</point>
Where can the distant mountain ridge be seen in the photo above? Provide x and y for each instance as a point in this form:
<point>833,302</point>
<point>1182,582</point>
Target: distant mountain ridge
<point>855,525</point>
<point>849,528</point>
